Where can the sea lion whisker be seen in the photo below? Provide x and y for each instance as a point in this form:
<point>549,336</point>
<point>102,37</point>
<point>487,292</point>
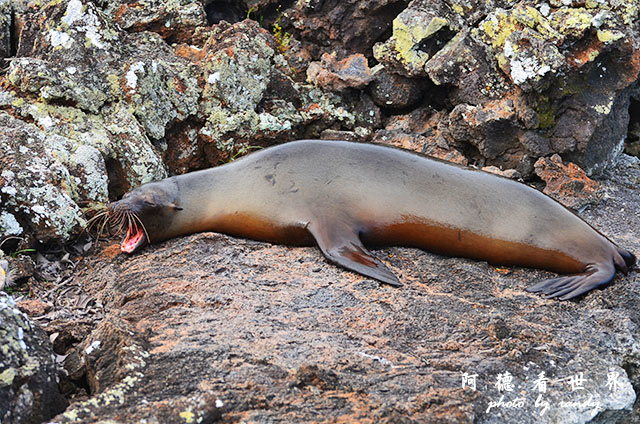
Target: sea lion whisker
<point>101,228</point>
<point>126,222</point>
<point>91,222</point>
<point>137,218</point>
<point>121,226</point>
<point>118,222</point>
<point>98,221</point>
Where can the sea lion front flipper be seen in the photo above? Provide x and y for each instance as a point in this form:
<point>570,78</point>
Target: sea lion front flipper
<point>572,286</point>
<point>340,244</point>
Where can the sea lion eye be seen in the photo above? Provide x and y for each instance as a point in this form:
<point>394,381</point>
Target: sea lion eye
<point>149,203</point>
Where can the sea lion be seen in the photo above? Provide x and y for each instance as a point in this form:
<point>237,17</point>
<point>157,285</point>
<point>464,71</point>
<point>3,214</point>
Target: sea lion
<point>344,195</point>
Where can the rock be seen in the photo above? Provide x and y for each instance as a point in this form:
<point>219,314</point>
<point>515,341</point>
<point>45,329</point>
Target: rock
<point>462,63</point>
<point>420,144</point>
<point>160,92</point>
<point>492,128</point>
<point>242,69</point>
<point>568,184</point>
<point>526,55</point>
<point>366,113</point>
<point>395,92</point>
<point>34,184</point>
<point>418,33</point>
<point>330,134</point>
<point>28,381</point>
<point>88,62</point>
<point>175,21</point>
<point>239,62</point>
<point>592,85</point>
<point>33,307</point>
<point>5,30</point>
<point>338,75</point>
<point>507,173</point>
<point>420,131</point>
<point>269,331</point>
<point>346,27</point>
<point>560,67</point>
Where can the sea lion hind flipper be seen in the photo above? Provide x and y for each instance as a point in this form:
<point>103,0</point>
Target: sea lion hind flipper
<point>571,286</point>
<point>624,260</point>
<point>341,245</point>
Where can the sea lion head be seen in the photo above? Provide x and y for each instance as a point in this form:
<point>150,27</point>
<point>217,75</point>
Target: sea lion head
<point>146,213</point>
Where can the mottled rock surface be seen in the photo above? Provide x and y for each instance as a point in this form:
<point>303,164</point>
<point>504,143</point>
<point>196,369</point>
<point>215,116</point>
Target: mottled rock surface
<point>28,379</point>
<point>560,66</point>
<point>337,75</point>
<point>36,183</point>
<point>567,183</point>
<point>175,21</point>
<point>208,326</point>
<point>345,27</point>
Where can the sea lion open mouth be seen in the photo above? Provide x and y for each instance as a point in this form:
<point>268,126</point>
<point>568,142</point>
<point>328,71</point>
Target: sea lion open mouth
<point>118,218</point>
<point>134,238</point>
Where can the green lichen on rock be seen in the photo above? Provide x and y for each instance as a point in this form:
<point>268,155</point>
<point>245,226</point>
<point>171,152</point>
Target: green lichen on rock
<point>545,112</point>
<point>498,26</point>
<point>572,22</point>
<point>242,65</point>
<point>28,378</point>
<point>238,76</point>
<point>36,183</point>
<point>53,84</point>
<point>160,88</point>
<point>411,30</point>
<point>607,36</point>
<point>529,44</point>
<point>408,36</point>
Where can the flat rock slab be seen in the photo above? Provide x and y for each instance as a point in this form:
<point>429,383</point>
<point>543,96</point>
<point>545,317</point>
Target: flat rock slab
<point>208,327</point>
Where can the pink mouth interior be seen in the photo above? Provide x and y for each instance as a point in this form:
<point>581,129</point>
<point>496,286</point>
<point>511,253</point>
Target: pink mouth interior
<point>133,239</point>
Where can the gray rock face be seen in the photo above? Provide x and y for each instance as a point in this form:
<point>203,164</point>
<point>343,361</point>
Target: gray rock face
<point>563,64</point>
<point>28,380</point>
<point>5,29</point>
<point>37,185</point>
<point>174,21</point>
<point>394,91</point>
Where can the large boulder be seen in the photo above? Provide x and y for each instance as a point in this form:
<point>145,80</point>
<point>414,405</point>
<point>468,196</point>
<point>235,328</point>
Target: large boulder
<point>28,377</point>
